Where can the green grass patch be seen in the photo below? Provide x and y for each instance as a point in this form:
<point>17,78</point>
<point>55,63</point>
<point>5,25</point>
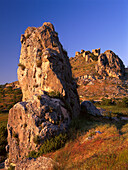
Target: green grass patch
<point>115,109</point>
<point>50,145</point>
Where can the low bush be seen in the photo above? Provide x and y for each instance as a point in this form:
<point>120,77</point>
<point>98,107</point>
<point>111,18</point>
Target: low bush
<point>50,145</point>
<point>3,137</point>
<point>55,94</point>
<point>38,63</point>
<point>36,139</point>
<point>107,102</point>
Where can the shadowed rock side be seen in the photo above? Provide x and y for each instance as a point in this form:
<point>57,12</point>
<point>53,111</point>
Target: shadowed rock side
<point>109,64</point>
<point>44,69</point>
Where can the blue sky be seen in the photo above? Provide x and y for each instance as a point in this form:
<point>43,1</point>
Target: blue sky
<point>81,24</point>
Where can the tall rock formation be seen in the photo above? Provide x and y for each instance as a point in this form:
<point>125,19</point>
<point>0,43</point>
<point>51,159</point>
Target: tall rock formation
<point>44,71</point>
<point>109,64</point>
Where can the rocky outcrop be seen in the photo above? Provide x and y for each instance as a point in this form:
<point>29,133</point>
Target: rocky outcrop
<point>44,66</point>
<point>41,163</point>
<point>88,108</point>
<point>14,85</point>
<point>109,64</point>
<point>50,96</point>
<point>32,122</point>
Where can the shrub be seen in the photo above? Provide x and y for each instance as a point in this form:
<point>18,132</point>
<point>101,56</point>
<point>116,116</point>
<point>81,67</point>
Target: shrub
<point>3,137</point>
<point>107,102</point>
<point>9,106</point>
<point>36,139</point>
<point>11,167</point>
<point>55,94</point>
<point>40,53</point>
<point>22,66</point>
<point>38,63</point>
<point>15,135</point>
<point>39,97</point>
<point>50,145</point>
<point>123,103</point>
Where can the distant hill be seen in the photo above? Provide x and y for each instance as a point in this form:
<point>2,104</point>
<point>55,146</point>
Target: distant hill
<point>9,95</point>
<point>99,75</point>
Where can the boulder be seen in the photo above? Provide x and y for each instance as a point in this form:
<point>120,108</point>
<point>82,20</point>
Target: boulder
<point>31,122</point>
<point>88,108</point>
<point>109,64</point>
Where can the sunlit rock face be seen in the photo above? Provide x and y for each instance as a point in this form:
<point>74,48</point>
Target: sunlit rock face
<point>109,64</point>
<point>44,66</point>
<point>50,98</point>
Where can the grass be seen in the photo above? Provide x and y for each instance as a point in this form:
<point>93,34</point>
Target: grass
<point>8,97</point>
<point>3,117</point>
<point>3,135</point>
<point>108,150</point>
<point>115,109</point>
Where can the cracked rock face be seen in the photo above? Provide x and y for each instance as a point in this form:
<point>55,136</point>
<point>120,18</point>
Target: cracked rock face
<point>32,122</point>
<point>109,64</point>
<point>44,68</point>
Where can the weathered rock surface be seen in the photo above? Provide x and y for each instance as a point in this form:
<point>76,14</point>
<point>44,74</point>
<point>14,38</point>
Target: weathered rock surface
<point>44,66</point>
<point>44,69</point>
<point>40,163</point>
<point>31,122</point>
<point>87,107</point>
<point>109,64</point>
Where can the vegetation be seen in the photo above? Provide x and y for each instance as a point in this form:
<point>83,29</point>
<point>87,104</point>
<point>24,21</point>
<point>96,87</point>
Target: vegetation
<point>3,137</point>
<point>105,150</point>
<point>55,94</point>
<point>39,97</point>
<point>38,63</point>
<point>117,107</point>
<point>8,97</point>
<point>22,66</point>
<point>49,145</point>
<point>36,139</point>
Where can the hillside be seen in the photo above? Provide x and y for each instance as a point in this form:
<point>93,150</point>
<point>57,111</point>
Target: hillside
<point>50,128</point>
<point>92,85</point>
<point>9,95</point>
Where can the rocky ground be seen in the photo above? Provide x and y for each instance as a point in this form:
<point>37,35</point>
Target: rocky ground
<point>93,85</point>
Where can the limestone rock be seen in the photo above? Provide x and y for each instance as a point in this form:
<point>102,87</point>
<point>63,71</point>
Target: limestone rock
<point>96,51</point>
<point>77,53</point>
<point>44,66</point>
<point>50,96</point>
<point>41,163</point>
<point>31,122</point>
<point>109,64</point>
<point>87,107</point>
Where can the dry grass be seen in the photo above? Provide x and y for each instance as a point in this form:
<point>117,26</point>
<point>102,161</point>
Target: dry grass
<point>108,150</point>
<point>3,117</point>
